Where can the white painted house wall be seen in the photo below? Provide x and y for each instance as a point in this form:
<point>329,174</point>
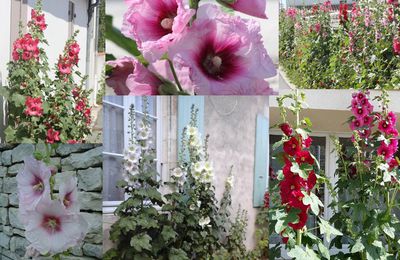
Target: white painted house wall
<point>5,13</point>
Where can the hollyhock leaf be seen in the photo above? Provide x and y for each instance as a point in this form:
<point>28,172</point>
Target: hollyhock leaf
<point>18,100</point>
<point>278,144</point>
<point>313,201</point>
<point>315,161</point>
<point>296,169</point>
<point>168,233</point>
<point>140,242</point>
<point>177,254</point>
<point>323,250</point>
<point>358,246</point>
<point>327,229</point>
<point>387,177</point>
<point>10,133</point>
<point>300,254</point>
<point>302,132</point>
<point>308,122</point>
<point>388,230</point>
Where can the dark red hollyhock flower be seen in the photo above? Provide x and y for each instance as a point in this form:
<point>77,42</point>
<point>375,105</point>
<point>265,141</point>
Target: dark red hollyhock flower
<point>393,163</point>
<point>301,222</point>
<point>311,181</point>
<point>284,239</point>
<point>352,171</point>
<point>286,170</point>
<point>304,157</point>
<point>396,45</point>
<point>292,146</point>
<point>307,142</point>
<point>343,9</point>
<point>286,129</point>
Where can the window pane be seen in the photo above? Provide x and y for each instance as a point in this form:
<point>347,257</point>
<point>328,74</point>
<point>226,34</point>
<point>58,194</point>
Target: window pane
<point>113,168</point>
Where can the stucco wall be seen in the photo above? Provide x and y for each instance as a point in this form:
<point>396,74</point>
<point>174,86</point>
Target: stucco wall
<point>5,12</point>
<point>231,123</point>
<point>85,161</point>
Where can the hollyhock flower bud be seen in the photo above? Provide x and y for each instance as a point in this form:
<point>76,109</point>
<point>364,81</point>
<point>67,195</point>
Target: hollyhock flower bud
<point>286,129</point>
<point>33,185</point>
<point>33,106</point>
<point>254,8</point>
<point>396,45</point>
<point>230,58</point>
<point>69,194</point>
<point>155,25</point>
<point>122,69</point>
<point>52,230</point>
<point>52,136</point>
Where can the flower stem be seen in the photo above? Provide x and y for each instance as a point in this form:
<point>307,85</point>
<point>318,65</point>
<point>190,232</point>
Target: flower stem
<point>298,237</point>
<point>171,65</point>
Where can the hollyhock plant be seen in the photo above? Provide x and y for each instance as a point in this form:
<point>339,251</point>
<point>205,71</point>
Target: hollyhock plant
<point>42,108</point>
<point>52,223</point>
<point>369,165</point>
<point>292,192</point>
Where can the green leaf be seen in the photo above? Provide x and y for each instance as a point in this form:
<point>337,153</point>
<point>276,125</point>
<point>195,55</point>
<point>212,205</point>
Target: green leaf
<point>323,250</point>
<point>141,242</point>
<point>168,233</point>
<point>296,169</point>
<point>313,201</point>
<point>301,254</point>
<point>307,121</point>
<point>328,230</point>
<point>388,230</point>
<point>357,247</point>
<point>18,99</point>
<point>277,144</point>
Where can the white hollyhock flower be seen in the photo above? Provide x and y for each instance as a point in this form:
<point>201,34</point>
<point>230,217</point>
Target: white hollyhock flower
<point>230,180</point>
<point>52,230</point>
<point>33,185</point>
<point>69,194</point>
<point>204,221</point>
<point>203,172</point>
<point>178,172</point>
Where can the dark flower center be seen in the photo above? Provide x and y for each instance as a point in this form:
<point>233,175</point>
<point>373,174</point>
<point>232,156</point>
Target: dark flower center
<point>51,224</point>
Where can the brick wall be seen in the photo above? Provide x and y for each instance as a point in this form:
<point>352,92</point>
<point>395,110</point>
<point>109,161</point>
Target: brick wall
<point>84,160</point>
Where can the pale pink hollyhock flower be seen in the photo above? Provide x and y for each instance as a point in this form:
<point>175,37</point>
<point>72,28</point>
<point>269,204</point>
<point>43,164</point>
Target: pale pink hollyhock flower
<point>229,57</point>
<point>69,194</point>
<point>130,77</point>
<point>254,7</point>
<point>122,68</point>
<point>33,185</point>
<point>52,230</point>
<point>155,24</point>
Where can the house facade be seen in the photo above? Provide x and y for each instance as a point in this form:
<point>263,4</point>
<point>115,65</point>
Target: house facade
<point>238,129</point>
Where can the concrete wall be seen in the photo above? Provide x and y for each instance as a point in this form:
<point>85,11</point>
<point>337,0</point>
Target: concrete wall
<point>83,160</point>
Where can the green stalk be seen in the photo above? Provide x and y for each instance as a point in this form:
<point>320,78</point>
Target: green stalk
<point>298,237</point>
<point>171,65</point>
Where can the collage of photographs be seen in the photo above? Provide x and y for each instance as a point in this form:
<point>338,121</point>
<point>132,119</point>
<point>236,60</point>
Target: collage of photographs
<point>199,129</point>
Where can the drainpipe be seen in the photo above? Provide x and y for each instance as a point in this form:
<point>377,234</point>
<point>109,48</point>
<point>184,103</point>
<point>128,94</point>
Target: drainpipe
<point>91,46</point>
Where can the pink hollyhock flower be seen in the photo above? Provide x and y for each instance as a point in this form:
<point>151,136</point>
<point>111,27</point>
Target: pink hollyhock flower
<point>317,27</point>
<point>33,106</point>
<point>33,185</point>
<point>254,8</point>
<point>52,230</point>
<point>291,12</point>
<point>38,20</point>
<point>386,151</point>
<point>396,45</point>
<point>155,24</point>
<point>385,126</point>
<point>122,68</point>
<point>367,120</point>
<point>74,48</point>
<point>80,105</point>
<point>229,58</point>
<point>392,117</point>
<point>64,67</point>
<point>360,112</point>
<point>355,124</point>
<point>69,194</point>
<point>52,136</point>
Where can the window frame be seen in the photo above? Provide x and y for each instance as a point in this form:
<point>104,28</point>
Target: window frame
<point>110,206</point>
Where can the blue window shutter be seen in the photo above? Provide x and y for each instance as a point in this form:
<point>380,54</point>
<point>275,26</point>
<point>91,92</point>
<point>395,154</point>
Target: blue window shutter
<point>261,161</point>
<point>184,105</point>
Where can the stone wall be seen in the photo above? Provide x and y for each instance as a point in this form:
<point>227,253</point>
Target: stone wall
<point>83,160</point>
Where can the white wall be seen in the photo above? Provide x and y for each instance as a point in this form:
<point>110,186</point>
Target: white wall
<point>5,12</point>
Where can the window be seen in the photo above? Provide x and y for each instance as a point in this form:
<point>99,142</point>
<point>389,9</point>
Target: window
<point>71,18</point>
<point>116,139</point>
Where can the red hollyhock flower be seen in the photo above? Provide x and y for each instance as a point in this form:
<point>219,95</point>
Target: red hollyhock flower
<point>52,136</point>
<point>343,16</point>
<point>385,150</point>
<point>80,105</point>
<point>286,129</point>
<point>304,157</point>
<point>311,181</point>
<point>284,239</point>
<point>301,222</point>
<point>385,126</point>
<point>393,164</point>
<point>292,146</point>
<point>33,106</point>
